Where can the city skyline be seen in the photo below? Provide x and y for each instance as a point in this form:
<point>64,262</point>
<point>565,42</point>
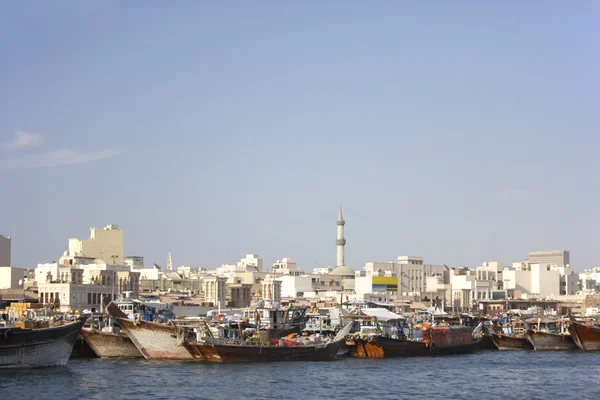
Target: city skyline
<point>461,133</point>
<point>340,223</point>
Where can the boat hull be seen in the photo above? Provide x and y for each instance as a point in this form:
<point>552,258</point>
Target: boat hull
<point>509,342</point>
<point>486,343</point>
<point>154,341</point>
<point>82,349</point>
<point>550,341</point>
<point>107,344</point>
<point>586,337</point>
<point>47,347</point>
<point>383,347</point>
<point>234,353</point>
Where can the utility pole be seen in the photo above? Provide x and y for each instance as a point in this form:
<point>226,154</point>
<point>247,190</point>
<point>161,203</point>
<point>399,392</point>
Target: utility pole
<point>114,277</point>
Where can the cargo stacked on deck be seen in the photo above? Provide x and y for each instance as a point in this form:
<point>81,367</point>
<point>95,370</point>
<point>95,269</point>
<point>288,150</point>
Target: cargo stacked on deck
<point>19,310</point>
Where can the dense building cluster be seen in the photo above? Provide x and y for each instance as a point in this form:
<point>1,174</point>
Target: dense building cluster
<point>93,271</point>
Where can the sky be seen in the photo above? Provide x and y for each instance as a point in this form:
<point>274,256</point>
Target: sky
<point>461,131</point>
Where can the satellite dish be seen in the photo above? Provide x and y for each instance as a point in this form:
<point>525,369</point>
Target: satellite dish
<point>20,282</point>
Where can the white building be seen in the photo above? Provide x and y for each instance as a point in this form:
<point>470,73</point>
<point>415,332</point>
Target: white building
<point>151,273</point>
<point>271,289</point>
<point>467,289</point>
<point>250,263</point>
<point>105,244</point>
<point>134,262</point>
<point>5,251</point>
<point>554,257</point>
<point>73,296</point>
<point>214,289</point>
<point>590,280</point>
<point>286,267</point>
<point>321,271</point>
<point>188,272</point>
<point>404,277</point>
<point>517,280</point>
<point>491,271</point>
<point>543,280</point>
<point>11,278</point>
<point>412,273</point>
<point>296,286</point>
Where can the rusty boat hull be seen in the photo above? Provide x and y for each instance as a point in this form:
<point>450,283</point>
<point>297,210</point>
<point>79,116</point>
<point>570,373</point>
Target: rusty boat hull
<point>33,348</point>
<point>154,341</point>
<point>383,347</point>
<point>585,336</point>
<point>550,341</point>
<point>511,342</point>
<point>105,344</point>
<point>241,353</point>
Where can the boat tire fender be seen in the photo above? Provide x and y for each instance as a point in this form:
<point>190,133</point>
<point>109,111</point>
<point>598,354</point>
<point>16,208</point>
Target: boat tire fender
<point>8,334</point>
<point>370,339</point>
<point>433,347</point>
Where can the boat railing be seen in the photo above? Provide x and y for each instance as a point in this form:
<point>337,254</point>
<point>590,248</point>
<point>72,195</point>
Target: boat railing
<point>243,343</point>
<point>186,323</point>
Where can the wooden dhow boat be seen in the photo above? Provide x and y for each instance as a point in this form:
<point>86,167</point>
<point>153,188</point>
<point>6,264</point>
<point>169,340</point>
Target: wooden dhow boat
<point>44,347</point>
<point>226,351</point>
<point>585,335</point>
<point>109,344</point>
<point>106,339</point>
<point>511,341</point>
<point>550,335</point>
<point>511,335</point>
<point>390,338</point>
<point>154,341</point>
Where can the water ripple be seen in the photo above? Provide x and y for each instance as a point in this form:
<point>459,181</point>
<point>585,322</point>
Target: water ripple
<point>486,375</point>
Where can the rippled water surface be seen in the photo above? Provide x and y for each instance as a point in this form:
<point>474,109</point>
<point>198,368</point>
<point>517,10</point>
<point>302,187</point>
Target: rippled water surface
<point>485,375</point>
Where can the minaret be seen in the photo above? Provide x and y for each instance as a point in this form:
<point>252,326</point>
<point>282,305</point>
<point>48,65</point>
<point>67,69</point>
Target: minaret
<point>340,242</point>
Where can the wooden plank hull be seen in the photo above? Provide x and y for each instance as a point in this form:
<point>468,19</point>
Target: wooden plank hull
<point>223,353</point>
<point>154,341</point>
<point>383,347</point>
<point>82,349</point>
<point>486,343</point>
<point>107,344</point>
<point>585,336</point>
<point>511,342</point>
<point>550,341</point>
<point>47,347</point>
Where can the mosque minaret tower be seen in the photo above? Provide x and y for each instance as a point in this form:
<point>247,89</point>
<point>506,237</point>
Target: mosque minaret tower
<point>341,241</point>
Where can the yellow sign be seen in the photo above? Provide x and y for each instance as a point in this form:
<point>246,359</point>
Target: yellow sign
<point>385,280</point>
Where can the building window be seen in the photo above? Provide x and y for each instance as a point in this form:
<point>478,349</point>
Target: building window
<point>89,298</point>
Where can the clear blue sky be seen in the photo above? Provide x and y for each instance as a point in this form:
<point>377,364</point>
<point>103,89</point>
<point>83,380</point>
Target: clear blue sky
<point>461,131</point>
